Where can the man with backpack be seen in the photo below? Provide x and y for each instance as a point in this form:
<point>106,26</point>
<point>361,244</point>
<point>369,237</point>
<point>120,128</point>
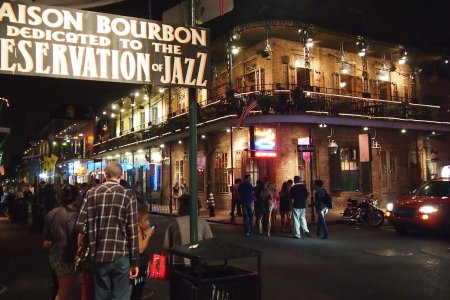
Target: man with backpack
<point>322,201</point>
<point>298,193</point>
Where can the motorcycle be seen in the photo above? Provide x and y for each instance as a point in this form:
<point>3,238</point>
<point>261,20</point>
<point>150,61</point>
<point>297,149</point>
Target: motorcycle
<point>365,212</point>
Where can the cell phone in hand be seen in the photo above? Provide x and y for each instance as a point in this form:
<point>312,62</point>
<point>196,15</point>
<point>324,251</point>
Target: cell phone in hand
<point>153,227</point>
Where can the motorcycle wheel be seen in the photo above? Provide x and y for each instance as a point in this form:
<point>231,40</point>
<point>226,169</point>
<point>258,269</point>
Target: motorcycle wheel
<point>376,218</point>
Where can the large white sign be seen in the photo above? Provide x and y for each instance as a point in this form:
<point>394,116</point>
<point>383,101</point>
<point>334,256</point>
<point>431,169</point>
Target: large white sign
<point>65,43</point>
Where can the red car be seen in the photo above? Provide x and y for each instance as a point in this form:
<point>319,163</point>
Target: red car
<point>426,208</point>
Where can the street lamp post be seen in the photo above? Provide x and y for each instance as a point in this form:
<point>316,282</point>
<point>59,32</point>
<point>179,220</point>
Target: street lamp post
<point>193,143</point>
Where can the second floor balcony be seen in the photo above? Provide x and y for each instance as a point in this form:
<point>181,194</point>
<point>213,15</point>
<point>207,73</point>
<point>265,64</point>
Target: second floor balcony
<point>295,100</point>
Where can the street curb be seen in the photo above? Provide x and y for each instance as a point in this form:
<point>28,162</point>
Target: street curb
<point>227,222</point>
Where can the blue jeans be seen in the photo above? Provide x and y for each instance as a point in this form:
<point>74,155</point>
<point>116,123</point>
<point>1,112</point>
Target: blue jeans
<point>112,279</point>
<point>322,223</point>
<point>247,212</point>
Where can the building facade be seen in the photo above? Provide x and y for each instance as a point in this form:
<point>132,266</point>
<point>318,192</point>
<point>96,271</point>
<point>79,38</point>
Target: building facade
<point>335,107</point>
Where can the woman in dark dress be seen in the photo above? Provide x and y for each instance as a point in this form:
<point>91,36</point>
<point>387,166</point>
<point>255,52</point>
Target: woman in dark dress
<point>285,207</point>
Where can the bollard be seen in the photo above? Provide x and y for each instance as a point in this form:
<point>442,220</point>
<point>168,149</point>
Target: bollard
<point>210,204</point>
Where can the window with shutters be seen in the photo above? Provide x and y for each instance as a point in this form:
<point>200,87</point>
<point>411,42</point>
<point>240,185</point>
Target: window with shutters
<point>221,172</point>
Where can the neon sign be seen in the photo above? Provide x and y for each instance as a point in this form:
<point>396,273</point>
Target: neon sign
<point>265,142</point>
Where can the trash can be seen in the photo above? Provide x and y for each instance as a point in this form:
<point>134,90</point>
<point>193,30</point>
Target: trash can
<point>208,274</point>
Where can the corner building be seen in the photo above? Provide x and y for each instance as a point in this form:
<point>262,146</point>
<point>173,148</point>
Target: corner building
<point>353,112</point>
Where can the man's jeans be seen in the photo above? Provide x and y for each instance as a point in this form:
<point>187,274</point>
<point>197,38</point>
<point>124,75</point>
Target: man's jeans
<point>112,280</point>
<point>322,224</point>
<point>247,212</point>
<point>300,221</point>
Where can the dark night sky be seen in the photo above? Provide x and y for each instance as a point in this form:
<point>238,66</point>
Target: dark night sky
<point>416,23</point>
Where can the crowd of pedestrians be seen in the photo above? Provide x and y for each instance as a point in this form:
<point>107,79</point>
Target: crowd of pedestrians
<point>15,201</point>
<point>263,203</point>
<point>111,222</point>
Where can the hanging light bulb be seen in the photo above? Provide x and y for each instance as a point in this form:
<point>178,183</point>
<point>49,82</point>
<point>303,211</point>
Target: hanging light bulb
<point>161,90</point>
<point>113,106</point>
<point>342,84</point>
<point>309,43</point>
<point>403,58</point>
<point>236,36</point>
<point>234,50</point>
<point>343,65</point>
<point>362,46</point>
<point>121,105</point>
<point>333,147</point>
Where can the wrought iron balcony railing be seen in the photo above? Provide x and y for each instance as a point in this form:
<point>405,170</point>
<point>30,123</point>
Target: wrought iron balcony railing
<point>298,100</point>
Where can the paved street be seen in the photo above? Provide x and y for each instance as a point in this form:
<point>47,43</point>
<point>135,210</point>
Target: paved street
<point>357,262</point>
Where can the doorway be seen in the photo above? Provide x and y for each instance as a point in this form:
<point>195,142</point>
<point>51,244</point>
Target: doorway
<point>388,173</point>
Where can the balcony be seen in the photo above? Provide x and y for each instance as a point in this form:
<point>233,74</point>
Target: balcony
<point>328,102</point>
<point>313,101</point>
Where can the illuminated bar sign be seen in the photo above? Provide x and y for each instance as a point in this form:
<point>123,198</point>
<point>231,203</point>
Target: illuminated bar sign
<point>45,41</point>
<point>265,142</point>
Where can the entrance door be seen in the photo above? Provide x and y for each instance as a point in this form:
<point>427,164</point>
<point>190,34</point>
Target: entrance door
<point>303,77</point>
<point>388,174</point>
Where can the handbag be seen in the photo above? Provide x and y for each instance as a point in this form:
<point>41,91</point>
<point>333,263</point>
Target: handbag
<point>158,267</point>
<point>82,260</point>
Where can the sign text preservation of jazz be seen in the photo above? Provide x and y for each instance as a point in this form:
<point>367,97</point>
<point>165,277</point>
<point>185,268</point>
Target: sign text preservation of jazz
<point>47,41</point>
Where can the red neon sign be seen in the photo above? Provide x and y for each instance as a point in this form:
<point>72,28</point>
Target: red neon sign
<point>265,154</point>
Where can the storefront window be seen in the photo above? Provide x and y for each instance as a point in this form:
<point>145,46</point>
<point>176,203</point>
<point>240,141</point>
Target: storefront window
<point>349,169</point>
<point>237,165</point>
<point>142,119</point>
<point>179,171</point>
<point>349,159</point>
<point>221,172</point>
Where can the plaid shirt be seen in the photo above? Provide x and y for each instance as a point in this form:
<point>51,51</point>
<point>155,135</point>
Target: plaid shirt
<point>109,217</point>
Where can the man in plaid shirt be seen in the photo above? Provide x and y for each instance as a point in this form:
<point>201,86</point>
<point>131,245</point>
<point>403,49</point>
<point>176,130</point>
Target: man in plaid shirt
<point>108,223</point>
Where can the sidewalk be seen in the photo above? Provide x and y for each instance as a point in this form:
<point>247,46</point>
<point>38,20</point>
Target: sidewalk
<point>223,217</point>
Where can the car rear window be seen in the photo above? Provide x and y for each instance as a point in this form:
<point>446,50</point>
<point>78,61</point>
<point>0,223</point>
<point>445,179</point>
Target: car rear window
<point>435,189</point>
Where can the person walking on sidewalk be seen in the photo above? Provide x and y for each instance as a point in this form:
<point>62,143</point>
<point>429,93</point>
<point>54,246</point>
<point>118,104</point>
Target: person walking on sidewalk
<point>236,199</point>
<point>298,193</point>
<point>61,240</point>
<point>285,208</point>
<point>321,208</point>
<point>108,217</point>
<point>248,206</point>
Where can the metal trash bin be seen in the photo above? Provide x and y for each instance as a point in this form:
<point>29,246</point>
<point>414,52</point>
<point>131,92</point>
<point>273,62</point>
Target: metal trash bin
<point>209,276</point>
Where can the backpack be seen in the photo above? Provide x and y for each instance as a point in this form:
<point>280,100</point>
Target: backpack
<point>327,200</point>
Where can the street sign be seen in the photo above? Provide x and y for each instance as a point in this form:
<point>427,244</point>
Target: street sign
<point>46,41</point>
<point>306,148</point>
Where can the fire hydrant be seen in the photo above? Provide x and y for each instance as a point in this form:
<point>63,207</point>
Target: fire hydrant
<point>210,204</point>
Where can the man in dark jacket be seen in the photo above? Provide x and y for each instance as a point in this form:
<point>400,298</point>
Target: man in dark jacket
<point>248,206</point>
<point>298,193</point>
